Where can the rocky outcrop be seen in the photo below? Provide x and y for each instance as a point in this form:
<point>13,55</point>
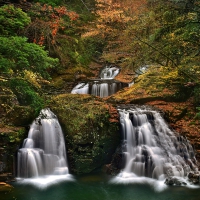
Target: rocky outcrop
<point>194,177</point>
<point>91,130</point>
<point>156,84</point>
<point>10,140</point>
<point>11,112</point>
<point>14,120</point>
<point>174,181</point>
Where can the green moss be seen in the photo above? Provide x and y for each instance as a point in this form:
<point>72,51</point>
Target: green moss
<point>10,139</point>
<point>89,131</point>
<point>157,83</point>
<point>20,115</point>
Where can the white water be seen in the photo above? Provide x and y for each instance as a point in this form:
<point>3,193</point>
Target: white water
<point>42,157</point>
<point>109,72</point>
<point>152,151</point>
<point>102,87</point>
<point>81,88</point>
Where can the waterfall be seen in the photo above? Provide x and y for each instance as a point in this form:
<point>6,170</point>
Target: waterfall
<point>104,86</point>
<point>43,153</point>
<point>151,148</point>
<point>81,88</point>
<point>109,72</point>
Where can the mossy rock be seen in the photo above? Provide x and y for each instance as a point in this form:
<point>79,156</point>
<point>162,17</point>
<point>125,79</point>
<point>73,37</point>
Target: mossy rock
<point>90,127</point>
<point>10,140</point>
<point>20,116</point>
<point>158,83</point>
<point>11,112</point>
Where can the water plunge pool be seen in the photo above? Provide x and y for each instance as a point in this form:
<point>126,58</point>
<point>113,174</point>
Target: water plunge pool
<point>98,187</point>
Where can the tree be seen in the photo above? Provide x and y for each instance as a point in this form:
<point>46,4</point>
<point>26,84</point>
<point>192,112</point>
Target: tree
<point>12,20</point>
<point>17,55</point>
<point>50,27</point>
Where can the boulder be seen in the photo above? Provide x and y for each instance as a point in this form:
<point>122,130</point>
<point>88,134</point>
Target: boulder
<point>174,181</point>
<point>4,187</point>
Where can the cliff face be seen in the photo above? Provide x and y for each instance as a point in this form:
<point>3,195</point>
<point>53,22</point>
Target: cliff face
<point>14,120</point>
<point>91,130</point>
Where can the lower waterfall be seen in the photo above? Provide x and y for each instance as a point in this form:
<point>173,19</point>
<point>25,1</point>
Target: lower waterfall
<point>42,158</point>
<point>153,152</point>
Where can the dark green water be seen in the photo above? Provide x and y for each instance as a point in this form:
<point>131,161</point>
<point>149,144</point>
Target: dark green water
<point>95,187</point>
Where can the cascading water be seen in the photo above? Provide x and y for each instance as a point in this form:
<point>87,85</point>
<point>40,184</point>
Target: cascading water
<point>109,72</point>
<point>151,149</point>
<point>102,87</point>
<point>43,153</point>
<point>81,88</point>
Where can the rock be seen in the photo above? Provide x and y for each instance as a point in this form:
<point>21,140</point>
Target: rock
<point>10,139</point>
<point>117,162</point>
<point>91,130</point>
<point>4,177</point>
<point>4,187</point>
<point>169,181</point>
<point>174,181</point>
<point>194,177</point>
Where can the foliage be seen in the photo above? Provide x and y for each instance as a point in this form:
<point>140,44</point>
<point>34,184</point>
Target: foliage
<point>17,55</point>
<point>112,19</point>
<point>149,32</point>
<point>12,20</point>
<point>197,96</point>
<point>26,93</point>
<point>57,29</point>
<point>51,2</point>
<point>197,116</point>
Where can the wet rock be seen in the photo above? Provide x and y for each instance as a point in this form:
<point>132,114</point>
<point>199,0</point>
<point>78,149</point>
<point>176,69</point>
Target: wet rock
<point>117,162</point>
<point>10,139</point>
<point>4,177</point>
<point>194,178</point>
<point>4,187</point>
<point>174,181</point>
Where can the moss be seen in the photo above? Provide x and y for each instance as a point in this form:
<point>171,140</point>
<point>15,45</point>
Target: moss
<point>11,113</point>
<point>10,139</point>
<point>91,132</point>
<point>58,82</point>
<point>157,83</point>
<point>20,116</point>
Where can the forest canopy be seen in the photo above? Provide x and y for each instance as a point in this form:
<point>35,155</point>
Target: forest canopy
<point>44,38</point>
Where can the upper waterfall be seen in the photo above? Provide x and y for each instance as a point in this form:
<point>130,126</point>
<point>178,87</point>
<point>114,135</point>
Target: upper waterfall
<point>104,86</point>
<point>109,72</point>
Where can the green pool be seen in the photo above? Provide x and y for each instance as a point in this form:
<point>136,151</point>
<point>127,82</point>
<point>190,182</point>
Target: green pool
<point>97,187</point>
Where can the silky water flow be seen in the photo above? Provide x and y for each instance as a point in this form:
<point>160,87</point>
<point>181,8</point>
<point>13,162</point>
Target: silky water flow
<point>42,158</point>
<point>152,151</point>
<point>104,86</point>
